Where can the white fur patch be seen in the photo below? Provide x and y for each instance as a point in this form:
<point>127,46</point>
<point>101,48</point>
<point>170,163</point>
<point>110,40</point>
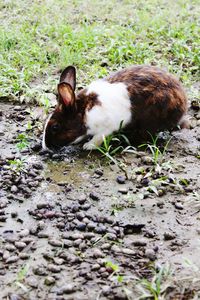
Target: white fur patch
<point>114,108</point>
<point>44,133</point>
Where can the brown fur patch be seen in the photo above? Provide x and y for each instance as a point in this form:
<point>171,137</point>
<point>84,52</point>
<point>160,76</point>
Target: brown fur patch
<point>157,97</point>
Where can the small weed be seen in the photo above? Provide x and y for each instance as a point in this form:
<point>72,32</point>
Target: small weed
<point>115,143</point>
<point>21,276</point>
<point>17,165</point>
<point>22,141</point>
<point>156,151</point>
<point>156,288</point>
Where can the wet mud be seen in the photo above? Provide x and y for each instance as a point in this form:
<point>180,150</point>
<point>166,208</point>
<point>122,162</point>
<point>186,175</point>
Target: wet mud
<point>73,226</point>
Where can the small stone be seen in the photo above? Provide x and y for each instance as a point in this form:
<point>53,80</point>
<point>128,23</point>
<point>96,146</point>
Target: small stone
<point>100,229</point>
<point>55,243</point>
<point>95,267</point>
<point>32,282</point>
<point>54,268</point>
<point>123,190</point>
<point>147,160</point>
<point>139,243</point>
<point>67,289</point>
<point>77,242</point>
<point>41,205</point>
<point>81,226</point>
<point>24,233</point>
<point>37,166</point>
<point>149,253</point>
<point>94,196</point>
<point>105,246</point>
<point>99,172</point>
<point>49,280</point>
<point>89,235</point>
<point>179,205</point>
<point>40,270</point>
<point>121,179</point>
<point>10,247</point>
<point>80,215</point>
<point>14,189</point>
<point>115,249</point>
<point>169,236</point>
<point>14,214</point>
<point>77,236</point>
<point>24,255</point>
<point>128,251</point>
<point>91,226</point>
<point>20,245</point>
<point>43,234</point>
<point>97,253</point>
<point>12,259</point>
<point>82,199</point>
<point>86,206</point>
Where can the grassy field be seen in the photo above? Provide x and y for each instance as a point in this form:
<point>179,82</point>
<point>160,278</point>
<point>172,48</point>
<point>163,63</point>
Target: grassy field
<point>38,38</point>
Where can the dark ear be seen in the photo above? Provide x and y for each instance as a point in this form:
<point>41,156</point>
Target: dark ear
<point>68,75</point>
<point>66,94</point>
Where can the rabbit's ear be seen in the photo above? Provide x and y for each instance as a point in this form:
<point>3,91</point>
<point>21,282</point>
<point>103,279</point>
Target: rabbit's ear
<point>66,94</point>
<point>68,75</point>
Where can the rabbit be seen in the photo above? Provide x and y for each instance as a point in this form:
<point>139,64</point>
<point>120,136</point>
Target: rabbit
<point>143,99</point>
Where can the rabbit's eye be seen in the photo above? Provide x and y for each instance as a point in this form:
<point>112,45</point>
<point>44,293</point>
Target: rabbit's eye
<point>55,128</point>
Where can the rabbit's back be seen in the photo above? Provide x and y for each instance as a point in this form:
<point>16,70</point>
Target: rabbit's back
<point>157,97</point>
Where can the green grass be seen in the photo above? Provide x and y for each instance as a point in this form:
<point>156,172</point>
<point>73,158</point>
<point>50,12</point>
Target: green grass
<point>38,38</point>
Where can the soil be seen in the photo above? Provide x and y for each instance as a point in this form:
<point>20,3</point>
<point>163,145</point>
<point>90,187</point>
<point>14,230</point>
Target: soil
<point>73,226</point>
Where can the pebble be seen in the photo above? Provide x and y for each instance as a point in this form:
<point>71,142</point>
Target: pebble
<point>105,246</point>
<point>147,160</point>
<point>178,205</point>
<point>100,229</point>
<point>54,268</point>
<point>121,179</point>
<point>37,166</point>
<point>123,190</point>
<point>94,196</point>
<point>139,243</point>
<point>76,236</point>
<point>32,282</point>
<point>40,270</point>
<point>98,172</point>
<point>128,251</point>
<point>86,206</point>
<point>55,243</point>
<point>49,280</point>
<point>77,242</point>
<point>149,253</point>
<point>95,267</point>
<point>67,289</point>
<point>20,245</point>
<point>81,226</point>
<point>97,253</point>
<point>82,199</point>
<point>169,236</point>
<point>68,243</point>
<point>12,259</point>
<point>43,234</point>
<point>89,235</point>
<point>24,232</point>
<point>80,215</point>
<point>14,189</point>
<point>24,255</point>
<point>10,247</point>
<point>91,226</point>
<point>14,297</point>
<point>115,249</point>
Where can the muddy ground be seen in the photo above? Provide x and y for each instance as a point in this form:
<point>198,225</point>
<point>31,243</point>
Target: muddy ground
<point>73,226</point>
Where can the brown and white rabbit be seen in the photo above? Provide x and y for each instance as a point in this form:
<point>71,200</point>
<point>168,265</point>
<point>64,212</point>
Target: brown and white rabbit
<point>141,98</point>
